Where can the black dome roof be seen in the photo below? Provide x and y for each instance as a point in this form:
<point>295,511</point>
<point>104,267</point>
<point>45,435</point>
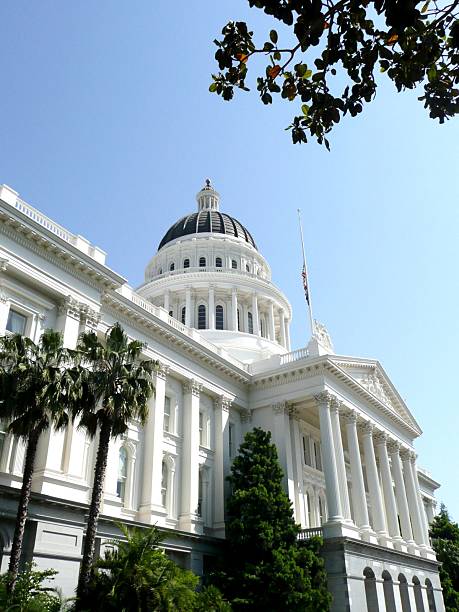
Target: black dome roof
<point>207,221</point>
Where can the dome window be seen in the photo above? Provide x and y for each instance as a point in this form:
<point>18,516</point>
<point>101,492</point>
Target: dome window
<point>172,267</point>
<point>219,320</point>
<point>202,262</point>
<point>202,317</point>
<point>238,320</point>
<point>247,267</point>
<point>186,263</point>
<point>183,315</point>
<point>218,262</point>
<point>234,264</point>
<point>160,271</point>
<point>250,322</point>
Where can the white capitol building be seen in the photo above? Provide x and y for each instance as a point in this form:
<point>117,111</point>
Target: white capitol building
<point>209,312</point>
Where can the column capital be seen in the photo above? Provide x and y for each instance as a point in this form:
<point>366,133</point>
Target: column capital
<point>223,402</point>
<point>69,306</point>
<point>336,405</point>
<point>350,416</point>
<point>3,264</point>
<point>324,398</point>
<point>280,407</point>
<point>162,371</point>
<point>89,317</point>
<point>366,427</point>
<point>408,455</point>
<point>393,446</point>
<point>380,437</point>
<point>192,386</point>
<point>246,415</point>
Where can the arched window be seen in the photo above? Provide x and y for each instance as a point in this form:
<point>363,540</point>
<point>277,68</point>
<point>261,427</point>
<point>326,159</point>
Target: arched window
<point>160,271</point>
<point>183,315</point>
<point>404,593</point>
<point>234,264</point>
<point>322,517</point>
<point>388,587</point>
<point>122,473</point>
<point>218,262</point>
<point>164,484</point>
<point>431,596</point>
<point>371,594</point>
<point>202,317</point>
<point>247,268</point>
<point>250,322</point>
<point>219,321</point>
<point>417,588</point>
<point>186,263</point>
<point>171,313</point>
<point>172,267</point>
<point>238,320</point>
<point>202,262</point>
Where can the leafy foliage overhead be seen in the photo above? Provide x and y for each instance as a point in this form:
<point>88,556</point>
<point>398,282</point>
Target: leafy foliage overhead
<point>338,48</point>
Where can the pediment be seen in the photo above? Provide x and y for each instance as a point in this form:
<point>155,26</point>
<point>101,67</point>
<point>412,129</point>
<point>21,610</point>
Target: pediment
<point>370,375</point>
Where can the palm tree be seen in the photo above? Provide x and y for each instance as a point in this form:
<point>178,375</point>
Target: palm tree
<point>118,385</point>
<point>35,388</point>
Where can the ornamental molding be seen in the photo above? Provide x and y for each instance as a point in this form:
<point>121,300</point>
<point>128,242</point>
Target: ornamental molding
<point>192,386</point>
<point>280,407</point>
<point>223,402</point>
<point>75,265</point>
<point>373,384</point>
<point>129,314</point>
<point>3,264</point>
<point>89,318</point>
<point>289,376</point>
<point>162,371</point>
<point>69,307</point>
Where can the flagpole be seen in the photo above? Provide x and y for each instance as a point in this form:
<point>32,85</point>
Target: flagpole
<point>305,268</point>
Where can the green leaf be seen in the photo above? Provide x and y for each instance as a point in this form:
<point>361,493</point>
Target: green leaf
<point>305,109</point>
<point>213,87</point>
<point>273,36</point>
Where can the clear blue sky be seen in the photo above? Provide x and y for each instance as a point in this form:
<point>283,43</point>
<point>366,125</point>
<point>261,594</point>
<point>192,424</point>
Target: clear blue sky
<point>107,126</point>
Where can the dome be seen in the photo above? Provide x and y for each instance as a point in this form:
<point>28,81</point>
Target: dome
<point>207,221</point>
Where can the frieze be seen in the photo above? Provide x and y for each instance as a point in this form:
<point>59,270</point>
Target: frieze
<point>372,383</point>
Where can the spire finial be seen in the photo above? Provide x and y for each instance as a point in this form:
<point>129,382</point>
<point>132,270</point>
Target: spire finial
<point>208,198</point>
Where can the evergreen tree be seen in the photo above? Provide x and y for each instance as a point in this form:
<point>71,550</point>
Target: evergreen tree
<point>445,539</point>
<point>265,568</point>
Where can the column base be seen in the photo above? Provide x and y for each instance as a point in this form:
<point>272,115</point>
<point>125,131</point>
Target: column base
<point>152,514</point>
<point>191,523</point>
<point>340,529</point>
<point>368,535</point>
<point>399,544</point>
<point>219,530</point>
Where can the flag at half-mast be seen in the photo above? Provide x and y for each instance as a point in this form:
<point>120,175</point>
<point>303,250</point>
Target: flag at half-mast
<point>304,275</point>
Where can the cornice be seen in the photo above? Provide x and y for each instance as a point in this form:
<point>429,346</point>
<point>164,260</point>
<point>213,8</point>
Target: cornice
<point>51,247</point>
<point>136,316</point>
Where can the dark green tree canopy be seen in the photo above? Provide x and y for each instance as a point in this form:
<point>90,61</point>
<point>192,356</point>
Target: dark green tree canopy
<point>265,568</point>
<point>334,51</point>
<point>445,540</point>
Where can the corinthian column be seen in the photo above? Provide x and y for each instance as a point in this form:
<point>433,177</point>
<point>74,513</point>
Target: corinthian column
<point>222,406</point>
<point>379,524</point>
<point>389,497</point>
<point>340,465</point>
<point>418,528</point>
<point>189,519</point>
<point>151,502</point>
<point>400,494</point>
<point>332,490</point>
<point>359,497</point>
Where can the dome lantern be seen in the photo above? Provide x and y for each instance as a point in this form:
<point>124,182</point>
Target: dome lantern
<point>208,198</point>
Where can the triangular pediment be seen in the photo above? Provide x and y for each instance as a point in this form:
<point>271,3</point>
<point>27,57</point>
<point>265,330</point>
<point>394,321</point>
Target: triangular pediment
<point>371,376</point>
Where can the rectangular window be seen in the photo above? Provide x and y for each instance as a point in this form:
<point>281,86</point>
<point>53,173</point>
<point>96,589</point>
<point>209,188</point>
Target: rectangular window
<point>307,450</point>
<point>317,455</point>
<point>231,440</point>
<point>16,323</point>
<point>167,414</point>
<point>201,429</point>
